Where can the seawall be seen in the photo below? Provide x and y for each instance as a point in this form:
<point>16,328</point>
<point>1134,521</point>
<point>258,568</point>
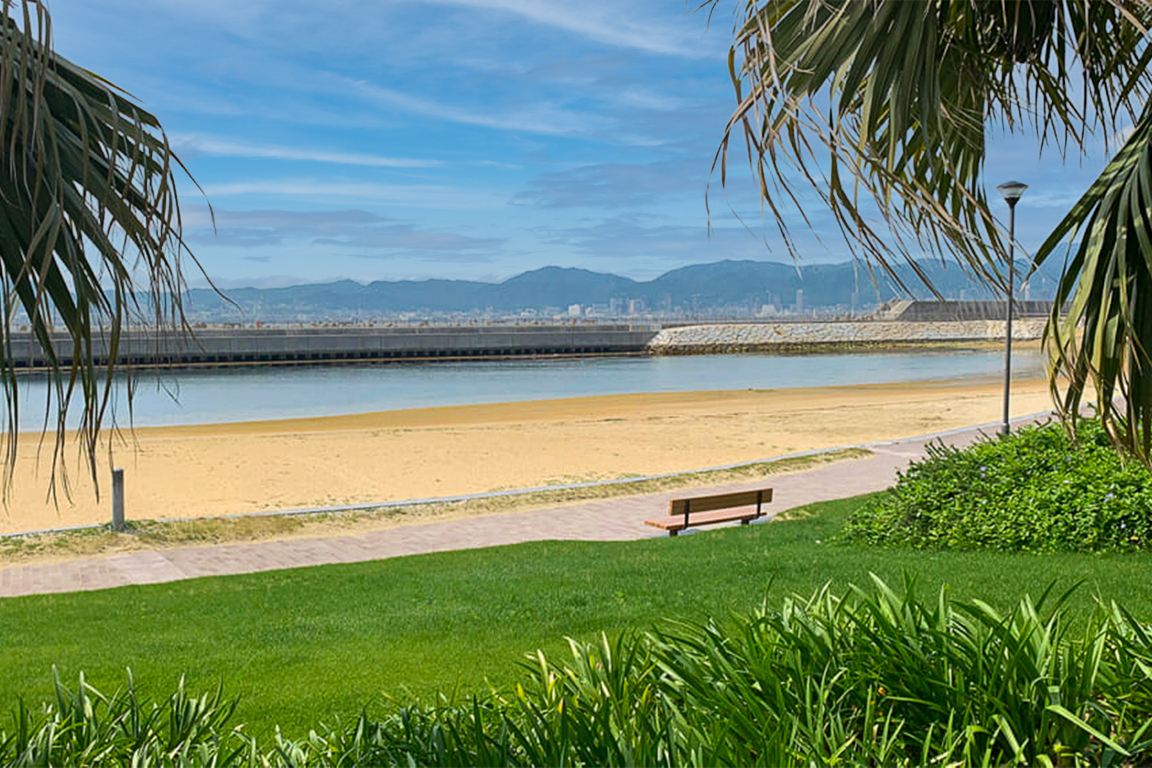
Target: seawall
<point>252,346</point>
<point>696,339</point>
<point>256,346</point>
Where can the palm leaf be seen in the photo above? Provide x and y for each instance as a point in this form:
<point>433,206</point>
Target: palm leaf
<point>1104,341</point>
<point>89,207</point>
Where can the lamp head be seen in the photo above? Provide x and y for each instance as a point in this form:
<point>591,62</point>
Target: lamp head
<point>1012,190</point>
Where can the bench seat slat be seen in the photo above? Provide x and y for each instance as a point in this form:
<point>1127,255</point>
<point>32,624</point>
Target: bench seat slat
<point>675,523</point>
<point>720,501</point>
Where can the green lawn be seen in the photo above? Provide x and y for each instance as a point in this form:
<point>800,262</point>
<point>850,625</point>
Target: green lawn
<point>299,646</point>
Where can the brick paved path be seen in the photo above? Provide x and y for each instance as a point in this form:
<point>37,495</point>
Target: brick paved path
<point>614,519</point>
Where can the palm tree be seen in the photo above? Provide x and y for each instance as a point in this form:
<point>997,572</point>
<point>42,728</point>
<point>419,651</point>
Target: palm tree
<point>883,108</point>
<point>89,211</point>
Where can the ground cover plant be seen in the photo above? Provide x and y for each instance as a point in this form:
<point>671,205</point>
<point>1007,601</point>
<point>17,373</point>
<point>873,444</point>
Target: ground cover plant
<point>1039,490</point>
<point>296,647</point>
<point>876,676</point>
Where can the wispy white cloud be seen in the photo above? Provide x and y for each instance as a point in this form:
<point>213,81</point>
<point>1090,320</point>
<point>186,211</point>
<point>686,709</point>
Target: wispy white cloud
<point>270,228</point>
<point>208,145</point>
<point>615,185</point>
<point>391,236</point>
<point>540,118</point>
<point>652,101</point>
<point>408,195</point>
<point>606,24</point>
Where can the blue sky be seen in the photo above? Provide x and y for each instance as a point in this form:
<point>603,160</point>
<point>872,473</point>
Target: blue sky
<point>470,139</point>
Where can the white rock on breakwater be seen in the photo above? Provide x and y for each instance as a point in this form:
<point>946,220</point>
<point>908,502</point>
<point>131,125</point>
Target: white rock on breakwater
<point>736,337</point>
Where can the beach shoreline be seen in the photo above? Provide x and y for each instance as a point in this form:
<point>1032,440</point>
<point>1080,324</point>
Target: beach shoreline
<point>259,466</point>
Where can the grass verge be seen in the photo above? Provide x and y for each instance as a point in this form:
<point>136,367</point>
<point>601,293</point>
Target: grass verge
<point>305,645</point>
<point>158,534</point>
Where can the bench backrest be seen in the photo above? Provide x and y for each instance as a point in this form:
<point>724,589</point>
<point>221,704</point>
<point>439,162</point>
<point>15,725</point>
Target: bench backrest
<point>721,501</point>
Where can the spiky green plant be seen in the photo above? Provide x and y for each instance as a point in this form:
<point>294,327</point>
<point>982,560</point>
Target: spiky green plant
<point>88,210</point>
<point>85,727</point>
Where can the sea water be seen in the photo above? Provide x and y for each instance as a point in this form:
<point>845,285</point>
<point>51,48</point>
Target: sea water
<point>207,396</point>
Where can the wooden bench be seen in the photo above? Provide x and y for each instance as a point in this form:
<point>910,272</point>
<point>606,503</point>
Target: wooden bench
<point>706,510</point>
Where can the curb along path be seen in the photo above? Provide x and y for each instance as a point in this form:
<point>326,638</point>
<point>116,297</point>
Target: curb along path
<point>615,519</point>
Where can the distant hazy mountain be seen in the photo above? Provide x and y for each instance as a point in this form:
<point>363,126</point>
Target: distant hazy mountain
<point>698,287</point>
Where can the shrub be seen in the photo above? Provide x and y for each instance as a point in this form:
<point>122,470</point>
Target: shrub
<point>874,677</point>
<point>1035,491</point>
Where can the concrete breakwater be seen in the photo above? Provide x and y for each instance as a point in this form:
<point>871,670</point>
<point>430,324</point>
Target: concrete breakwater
<point>766,337</point>
<point>254,346</point>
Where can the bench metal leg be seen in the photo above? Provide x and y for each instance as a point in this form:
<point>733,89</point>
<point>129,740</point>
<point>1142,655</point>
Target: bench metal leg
<point>745,521</point>
<point>673,532</point>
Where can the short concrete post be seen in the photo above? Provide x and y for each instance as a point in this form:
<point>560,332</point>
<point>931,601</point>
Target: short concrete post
<point>117,499</point>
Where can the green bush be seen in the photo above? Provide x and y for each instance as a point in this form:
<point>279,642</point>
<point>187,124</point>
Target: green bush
<point>874,677</point>
<point>1035,491</point>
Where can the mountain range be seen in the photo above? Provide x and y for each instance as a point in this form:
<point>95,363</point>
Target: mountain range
<point>702,287</point>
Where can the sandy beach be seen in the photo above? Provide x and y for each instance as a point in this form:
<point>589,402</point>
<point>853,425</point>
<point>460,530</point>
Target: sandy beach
<point>255,466</point>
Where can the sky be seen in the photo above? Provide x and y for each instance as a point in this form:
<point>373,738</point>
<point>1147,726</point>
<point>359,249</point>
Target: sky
<point>459,139</point>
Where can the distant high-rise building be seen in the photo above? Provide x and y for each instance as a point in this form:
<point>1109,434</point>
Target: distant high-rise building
<point>799,300</point>
<point>575,310</point>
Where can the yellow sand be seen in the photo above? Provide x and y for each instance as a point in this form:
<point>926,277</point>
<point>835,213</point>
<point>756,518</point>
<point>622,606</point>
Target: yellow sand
<point>229,468</point>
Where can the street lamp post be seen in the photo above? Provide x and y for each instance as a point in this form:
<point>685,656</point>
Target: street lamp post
<point>1011,190</point>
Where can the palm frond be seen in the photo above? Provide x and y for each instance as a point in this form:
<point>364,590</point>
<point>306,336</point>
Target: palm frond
<point>881,107</point>
<point>1104,341</point>
<point>89,208</point>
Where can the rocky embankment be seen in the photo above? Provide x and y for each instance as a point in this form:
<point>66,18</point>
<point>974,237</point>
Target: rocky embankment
<point>695,339</point>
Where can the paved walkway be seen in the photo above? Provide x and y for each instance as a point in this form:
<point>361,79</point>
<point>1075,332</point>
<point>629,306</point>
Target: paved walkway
<point>615,519</point>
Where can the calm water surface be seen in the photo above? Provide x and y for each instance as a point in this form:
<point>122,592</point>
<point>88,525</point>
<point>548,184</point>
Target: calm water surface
<point>246,394</point>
